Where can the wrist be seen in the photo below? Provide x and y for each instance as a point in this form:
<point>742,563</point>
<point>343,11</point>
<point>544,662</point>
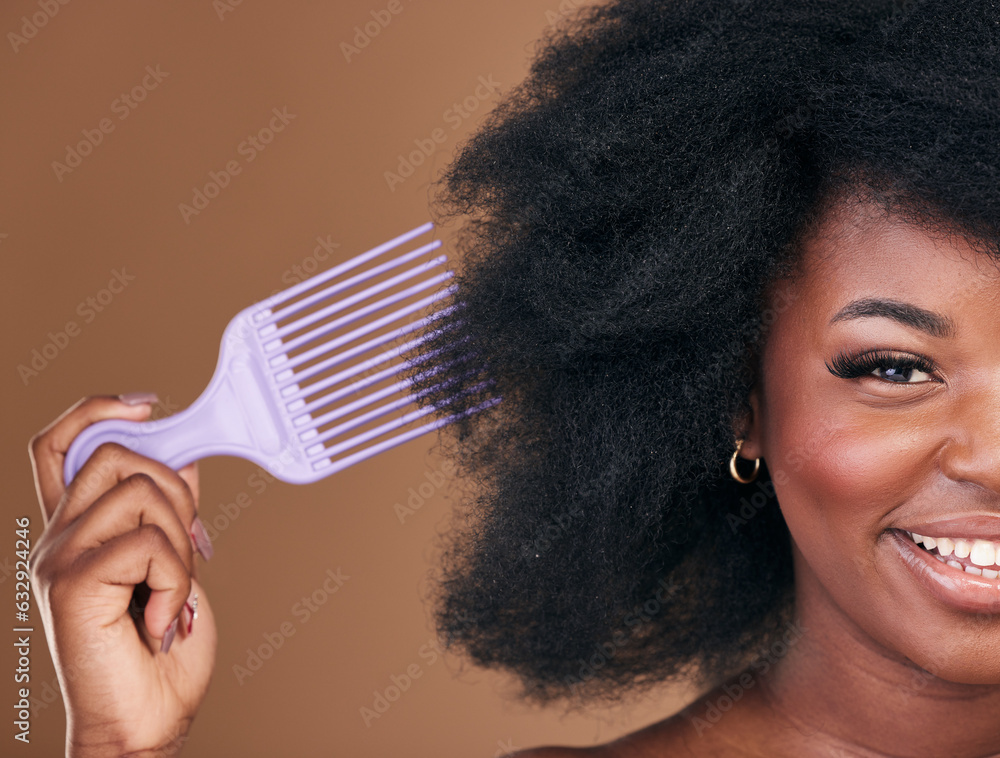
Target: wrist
<point>116,750</point>
<point>90,745</point>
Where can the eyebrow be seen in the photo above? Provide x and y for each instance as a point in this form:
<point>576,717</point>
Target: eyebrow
<point>905,313</point>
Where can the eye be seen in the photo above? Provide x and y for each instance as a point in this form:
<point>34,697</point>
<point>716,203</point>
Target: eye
<point>896,368</point>
<point>901,375</point>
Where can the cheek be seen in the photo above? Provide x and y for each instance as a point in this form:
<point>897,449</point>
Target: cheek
<point>840,469</point>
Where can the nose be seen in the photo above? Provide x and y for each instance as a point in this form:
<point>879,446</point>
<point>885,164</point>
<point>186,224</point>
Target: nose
<point>971,454</point>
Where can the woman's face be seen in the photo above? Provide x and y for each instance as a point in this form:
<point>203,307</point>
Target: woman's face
<point>908,439</point>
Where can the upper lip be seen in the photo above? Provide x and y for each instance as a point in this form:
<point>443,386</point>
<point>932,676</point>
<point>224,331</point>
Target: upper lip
<point>973,526</point>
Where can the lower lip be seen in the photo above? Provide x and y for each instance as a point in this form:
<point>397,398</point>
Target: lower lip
<point>955,587</point>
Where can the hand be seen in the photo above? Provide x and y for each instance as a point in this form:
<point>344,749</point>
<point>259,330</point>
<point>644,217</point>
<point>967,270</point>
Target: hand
<point>119,532</point>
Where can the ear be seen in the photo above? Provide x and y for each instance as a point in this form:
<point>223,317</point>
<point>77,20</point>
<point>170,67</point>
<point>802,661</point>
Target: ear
<point>750,428</point>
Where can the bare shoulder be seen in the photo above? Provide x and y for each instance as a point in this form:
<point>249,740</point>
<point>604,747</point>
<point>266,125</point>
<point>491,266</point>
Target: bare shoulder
<point>664,739</point>
<point>720,723</point>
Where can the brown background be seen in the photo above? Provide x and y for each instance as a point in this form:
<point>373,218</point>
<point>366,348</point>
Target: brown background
<point>62,238</point>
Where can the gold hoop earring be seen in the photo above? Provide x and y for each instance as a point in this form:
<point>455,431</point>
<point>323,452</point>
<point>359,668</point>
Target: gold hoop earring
<point>735,473</point>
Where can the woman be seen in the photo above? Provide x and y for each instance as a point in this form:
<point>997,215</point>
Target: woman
<point>732,267</point>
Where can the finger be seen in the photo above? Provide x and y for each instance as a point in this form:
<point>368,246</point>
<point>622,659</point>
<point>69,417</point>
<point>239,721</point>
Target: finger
<point>135,502</point>
<point>146,555</point>
<point>109,466</point>
<point>47,449</point>
<point>199,535</point>
<point>189,474</point>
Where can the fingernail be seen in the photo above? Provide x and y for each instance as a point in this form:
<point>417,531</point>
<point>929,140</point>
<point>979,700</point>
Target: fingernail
<point>168,637</point>
<point>190,611</point>
<point>137,398</point>
<point>200,538</point>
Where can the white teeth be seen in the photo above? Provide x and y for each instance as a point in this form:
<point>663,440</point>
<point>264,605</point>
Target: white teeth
<point>973,570</point>
<point>945,546</point>
<point>983,553</point>
<point>978,552</point>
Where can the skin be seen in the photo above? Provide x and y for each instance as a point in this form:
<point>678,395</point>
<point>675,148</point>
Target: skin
<point>123,520</point>
<point>882,668</point>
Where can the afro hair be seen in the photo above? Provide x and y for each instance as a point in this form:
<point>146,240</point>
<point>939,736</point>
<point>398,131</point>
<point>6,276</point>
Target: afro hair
<point>624,211</point>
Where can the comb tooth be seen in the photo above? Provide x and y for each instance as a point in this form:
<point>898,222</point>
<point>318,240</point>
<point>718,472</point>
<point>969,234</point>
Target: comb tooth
<point>299,405</point>
<point>381,410</point>
<point>293,381</point>
<point>289,382</point>
<point>354,315</point>
<point>269,329</point>
<point>392,389</point>
<point>319,450</point>
<point>306,421</point>
<point>349,460</point>
<point>295,394</point>
<point>354,387</point>
<point>372,326</point>
<point>268,305</point>
<point>364,418</point>
<point>293,391</point>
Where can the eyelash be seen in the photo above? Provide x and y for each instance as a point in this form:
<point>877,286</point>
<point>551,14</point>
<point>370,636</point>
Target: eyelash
<point>848,366</point>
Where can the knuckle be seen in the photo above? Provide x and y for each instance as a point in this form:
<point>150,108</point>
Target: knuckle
<point>140,484</point>
<point>152,537</point>
<point>107,454</point>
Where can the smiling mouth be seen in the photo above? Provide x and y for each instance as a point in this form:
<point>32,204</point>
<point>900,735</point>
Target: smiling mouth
<point>977,557</point>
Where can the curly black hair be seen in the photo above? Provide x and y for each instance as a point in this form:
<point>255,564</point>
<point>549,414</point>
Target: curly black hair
<point>624,211</point>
